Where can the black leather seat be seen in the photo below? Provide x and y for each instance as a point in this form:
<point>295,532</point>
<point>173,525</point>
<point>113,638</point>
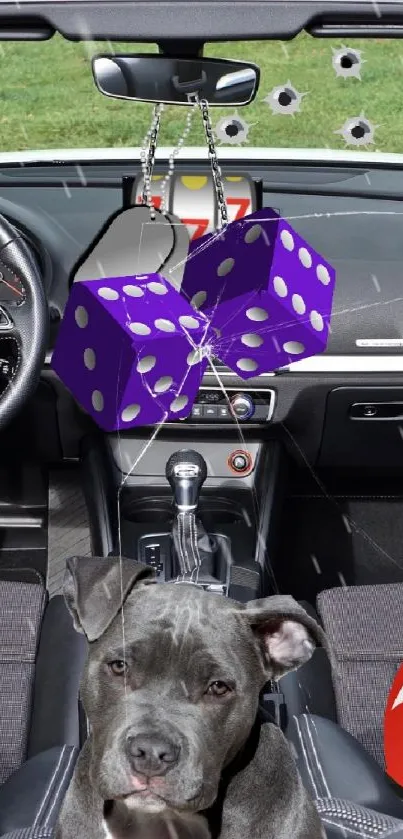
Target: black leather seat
<point>42,658</point>
<point>335,719</point>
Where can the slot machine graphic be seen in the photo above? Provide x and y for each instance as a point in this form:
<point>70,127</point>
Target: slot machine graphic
<point>191,197</point>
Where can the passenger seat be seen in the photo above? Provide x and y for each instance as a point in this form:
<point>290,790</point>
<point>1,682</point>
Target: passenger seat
<point>42,658</point>
<point>335,720</point>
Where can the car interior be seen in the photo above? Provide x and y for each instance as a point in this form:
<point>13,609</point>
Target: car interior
<point>295,475</point>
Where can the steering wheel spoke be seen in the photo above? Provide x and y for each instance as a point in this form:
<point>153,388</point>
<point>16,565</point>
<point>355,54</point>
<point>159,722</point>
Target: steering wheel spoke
<point>14,321</point>
<point>7,324</point>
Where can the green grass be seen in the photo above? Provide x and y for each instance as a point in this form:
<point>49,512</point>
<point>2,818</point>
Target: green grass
<point>48,98</point>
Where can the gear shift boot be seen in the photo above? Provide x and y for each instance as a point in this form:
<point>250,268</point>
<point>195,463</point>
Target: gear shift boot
<point>158,551</point>
<point>193,547</point>
<point>195,556</point>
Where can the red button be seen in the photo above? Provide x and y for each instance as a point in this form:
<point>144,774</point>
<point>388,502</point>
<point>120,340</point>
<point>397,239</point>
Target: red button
<point>240,462</point>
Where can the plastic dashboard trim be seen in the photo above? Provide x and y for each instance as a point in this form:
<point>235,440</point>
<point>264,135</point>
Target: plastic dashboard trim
<point>206,20</point>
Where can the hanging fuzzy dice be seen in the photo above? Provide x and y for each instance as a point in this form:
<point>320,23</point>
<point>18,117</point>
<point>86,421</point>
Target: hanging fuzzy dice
<point>267,293</point>
<point>131,350</point>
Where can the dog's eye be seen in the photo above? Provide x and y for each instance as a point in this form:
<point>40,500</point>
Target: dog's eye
<point>118,667</point>
<point>217,689</point>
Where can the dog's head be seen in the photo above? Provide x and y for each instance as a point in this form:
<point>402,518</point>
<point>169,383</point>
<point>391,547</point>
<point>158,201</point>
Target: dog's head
<point>173,676</point>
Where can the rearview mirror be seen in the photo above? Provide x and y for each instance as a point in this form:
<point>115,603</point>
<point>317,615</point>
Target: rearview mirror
<point>160,78</point>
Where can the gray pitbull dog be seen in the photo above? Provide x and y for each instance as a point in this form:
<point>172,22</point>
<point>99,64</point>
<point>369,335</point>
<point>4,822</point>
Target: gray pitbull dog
<point>171,691</point>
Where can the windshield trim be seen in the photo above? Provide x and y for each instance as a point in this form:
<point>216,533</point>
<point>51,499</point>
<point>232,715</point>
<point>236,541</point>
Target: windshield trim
<point>200,153</point>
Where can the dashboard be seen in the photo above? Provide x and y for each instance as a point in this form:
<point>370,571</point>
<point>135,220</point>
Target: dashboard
<point>352,214</point>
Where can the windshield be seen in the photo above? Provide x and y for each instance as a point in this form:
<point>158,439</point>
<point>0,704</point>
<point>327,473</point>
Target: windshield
<point>320,94</point>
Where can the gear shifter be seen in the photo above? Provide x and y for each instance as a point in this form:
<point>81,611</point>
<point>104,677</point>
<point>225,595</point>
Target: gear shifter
<point>186,471</point>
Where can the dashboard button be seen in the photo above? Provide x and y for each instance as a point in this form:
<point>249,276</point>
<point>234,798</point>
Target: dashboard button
<point>242,406</point>
<point>210,411</point>
<point>224,412</point>
<point>240,461</point>
<point>197,411</point>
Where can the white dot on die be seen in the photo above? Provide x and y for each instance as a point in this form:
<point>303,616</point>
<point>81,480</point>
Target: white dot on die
<point>225,267</point>
<point>163,384</point>
<point>323,274</point>
<point>178,404</point>
<point>140,328</point>
<point>89,358</point>
<point>280,286</point>
<point>130,413</point>
<point>305,257</point>
<point>157,288</point>
<point>252,340</point>
<point>108,293</point>
<point>198,299</point>
<point>188,322</point>
<point>164,325</point>
<point>253,233</point>
<point>257,314</point>
<point>298,304</point>
<point>81,316</point>
<point>293,347</point>
<point>133,291</point>
<point>194,357</point>
<point>287,240</point>
<point>97,400</point>
<point>247,364</point>
<point>146,364</point>
<point>316,320</point>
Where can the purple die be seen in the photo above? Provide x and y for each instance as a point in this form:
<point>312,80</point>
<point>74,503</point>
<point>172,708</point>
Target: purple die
<point>266,291</point>
<point>131,350</point>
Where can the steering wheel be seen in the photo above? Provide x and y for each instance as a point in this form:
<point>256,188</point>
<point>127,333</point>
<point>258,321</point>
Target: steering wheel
<point>26,324</point>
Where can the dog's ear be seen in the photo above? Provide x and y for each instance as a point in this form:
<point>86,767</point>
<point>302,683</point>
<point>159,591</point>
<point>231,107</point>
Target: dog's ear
<point>95,588</point>
<point>287,633</point>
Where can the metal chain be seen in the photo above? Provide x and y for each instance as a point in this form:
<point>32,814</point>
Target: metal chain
<point>147,157</point>
<point>173,156</point>
<point>215,167</point>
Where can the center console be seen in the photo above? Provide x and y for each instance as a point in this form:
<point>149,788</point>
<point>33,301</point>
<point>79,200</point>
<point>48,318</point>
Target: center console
<point>132,510</point>
<point>225,537</point>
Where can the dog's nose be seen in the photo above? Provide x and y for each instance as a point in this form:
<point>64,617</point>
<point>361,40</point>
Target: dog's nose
<point>150,754</point>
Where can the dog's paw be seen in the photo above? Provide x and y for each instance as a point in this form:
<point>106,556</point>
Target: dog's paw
<point>291,645</point>
<point>121,822</point>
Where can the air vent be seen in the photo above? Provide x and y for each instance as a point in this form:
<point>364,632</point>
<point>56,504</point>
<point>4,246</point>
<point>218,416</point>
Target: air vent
<point>357,26</point>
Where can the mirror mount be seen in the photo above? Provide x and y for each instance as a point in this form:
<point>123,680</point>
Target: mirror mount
<point>181,49</point>
<point>190,87</point>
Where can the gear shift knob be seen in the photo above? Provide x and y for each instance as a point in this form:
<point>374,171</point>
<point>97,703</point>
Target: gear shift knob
<point>186,471</point>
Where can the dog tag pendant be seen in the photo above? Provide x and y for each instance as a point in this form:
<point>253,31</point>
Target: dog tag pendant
<point>132,243</point>
<point>141,239</point>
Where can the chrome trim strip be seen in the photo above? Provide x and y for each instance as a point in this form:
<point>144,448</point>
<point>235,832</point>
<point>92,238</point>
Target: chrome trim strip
<point>211,375</point>
<point>347,364</point>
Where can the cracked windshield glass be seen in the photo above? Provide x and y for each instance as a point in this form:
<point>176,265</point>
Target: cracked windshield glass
<point>226,333</point>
